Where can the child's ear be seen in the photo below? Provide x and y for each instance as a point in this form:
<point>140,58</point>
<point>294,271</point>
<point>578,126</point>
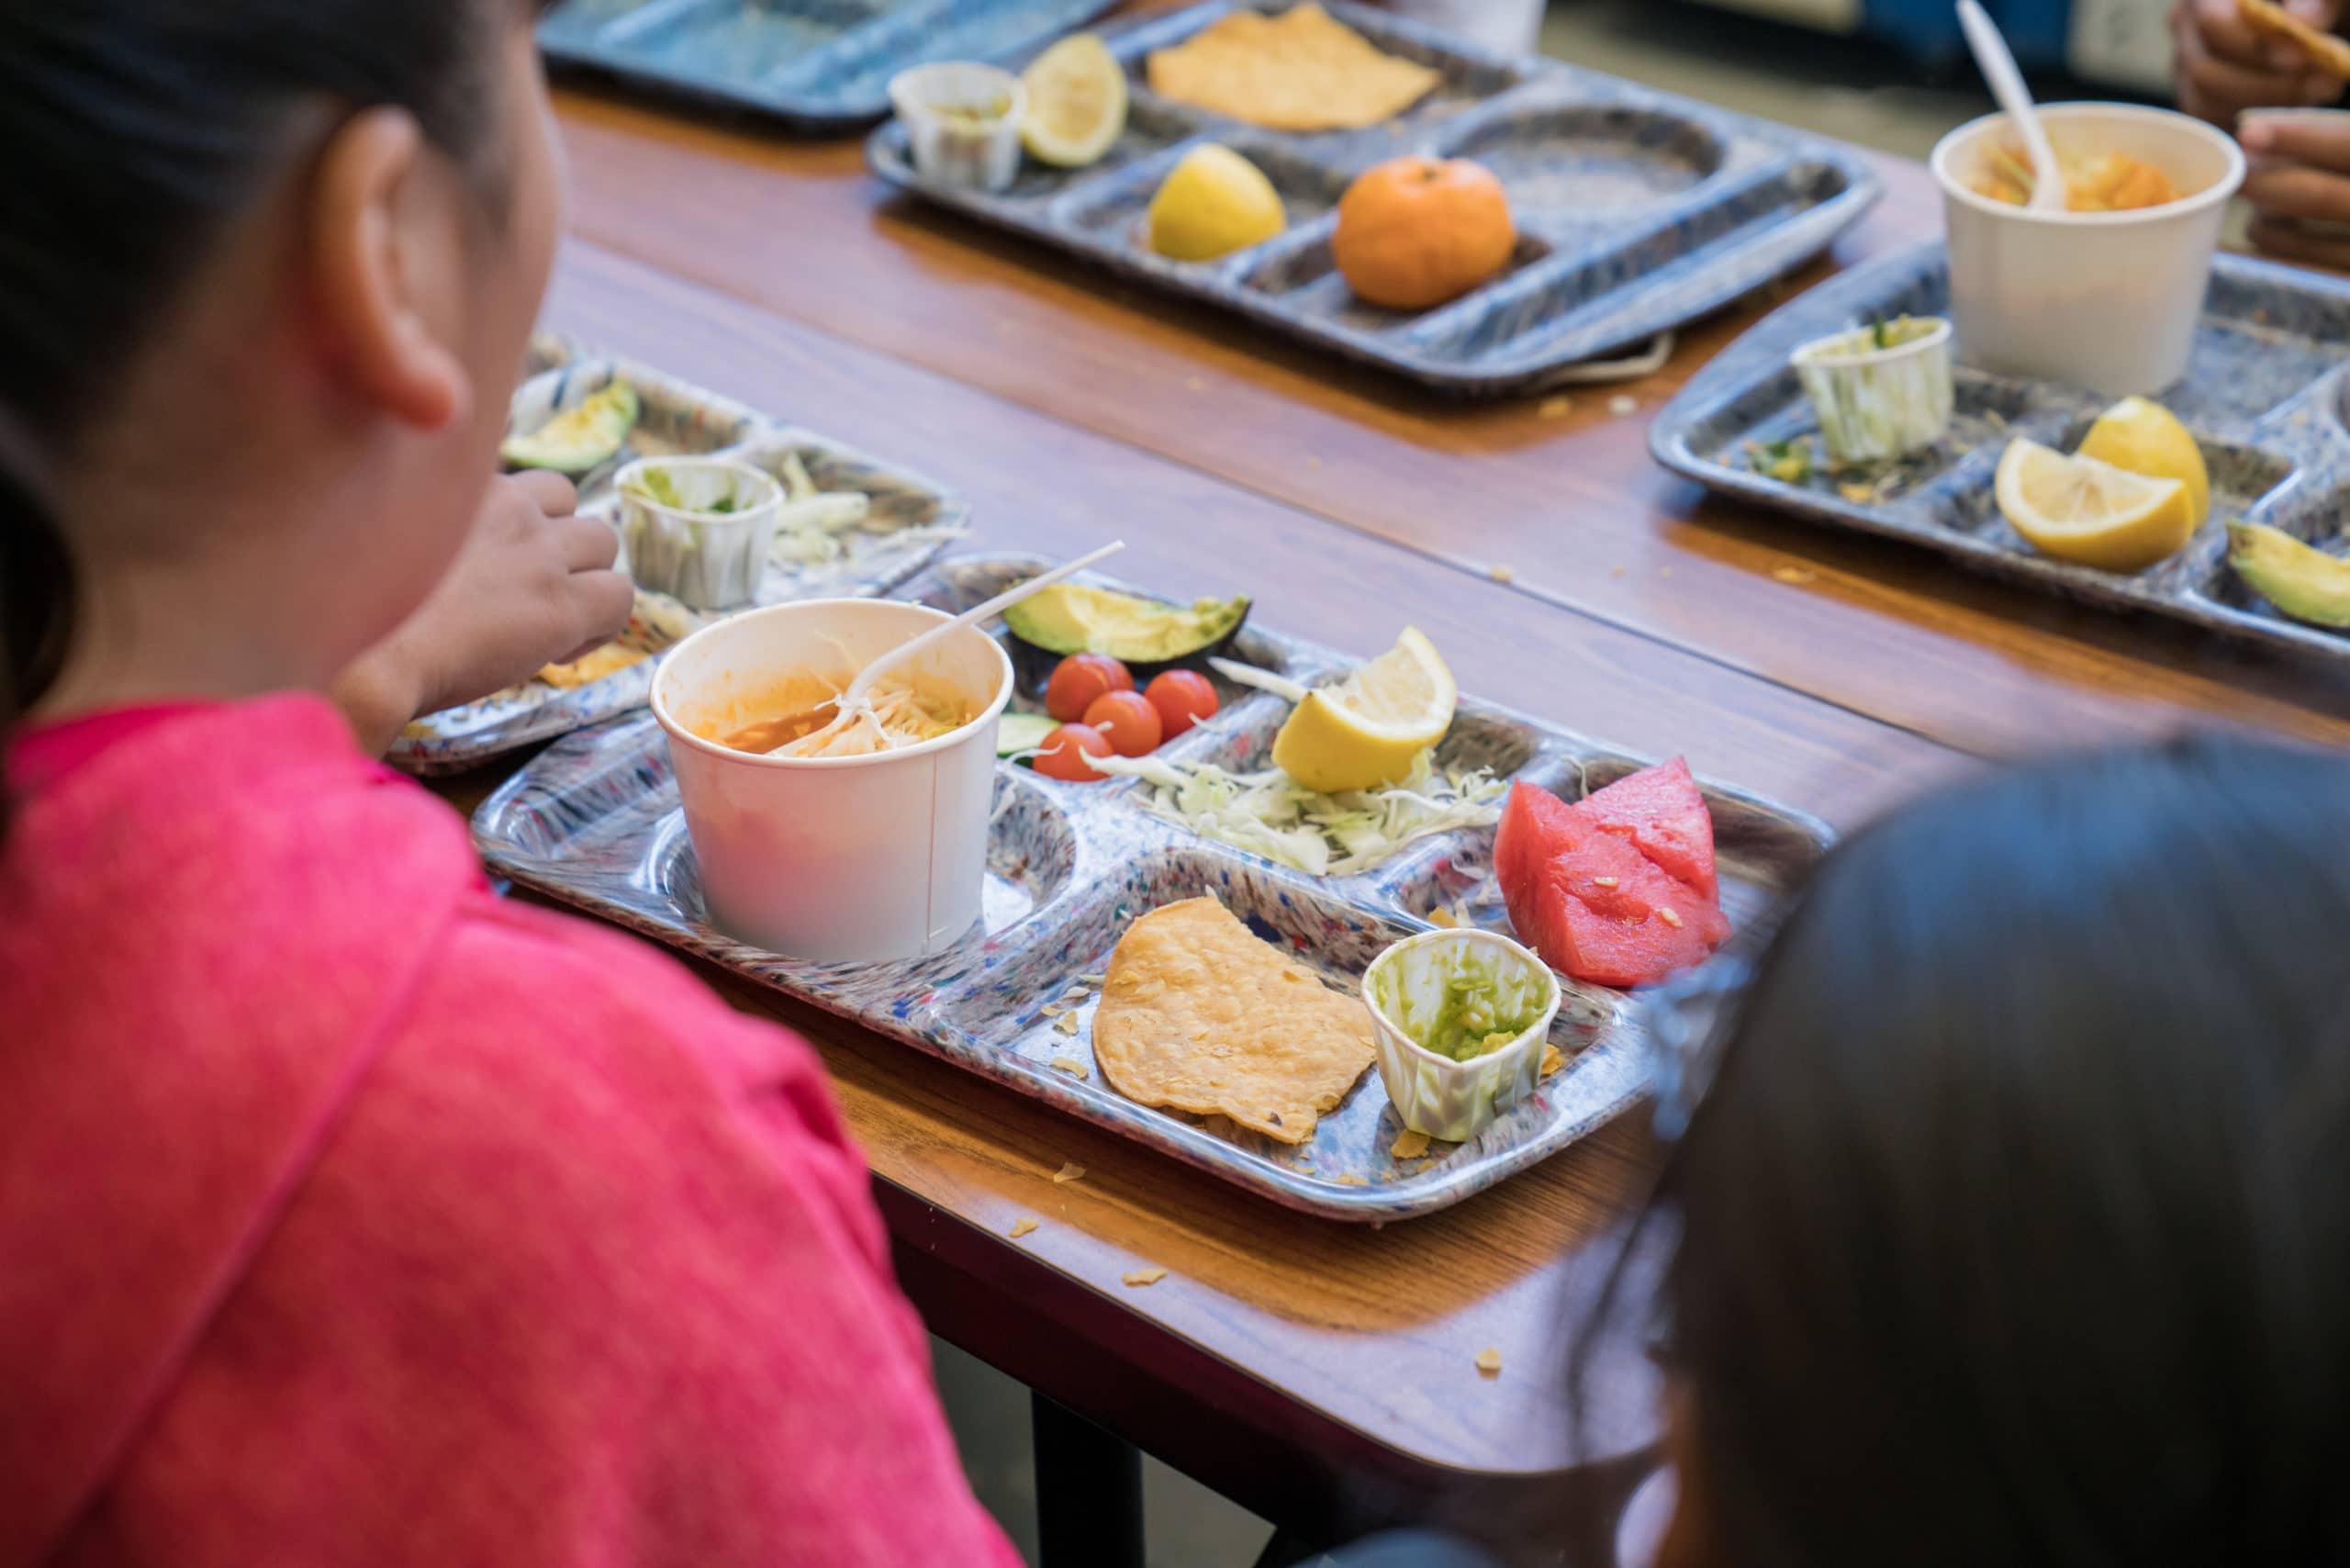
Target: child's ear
<point>385,259</point>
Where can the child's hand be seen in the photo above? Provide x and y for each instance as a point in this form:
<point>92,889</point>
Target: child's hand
<point>2223,67</point>
<point>533,586</point>
<point>2301,175</point>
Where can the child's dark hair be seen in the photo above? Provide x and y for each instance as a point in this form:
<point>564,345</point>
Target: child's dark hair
<point>135,131</point>
<point>2016,1227</point>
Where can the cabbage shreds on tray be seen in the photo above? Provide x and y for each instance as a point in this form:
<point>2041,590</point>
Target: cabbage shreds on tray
<point>1271,815</point>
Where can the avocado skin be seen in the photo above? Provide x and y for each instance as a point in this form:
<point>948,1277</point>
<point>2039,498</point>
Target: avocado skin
<point>2302,582</point>
<point>576,441</point>
<point>1158,636</point>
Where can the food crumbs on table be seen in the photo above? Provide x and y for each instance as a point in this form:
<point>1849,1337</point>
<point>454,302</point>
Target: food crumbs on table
<point>1092,979</point>
<point>1067,1024</point>
<point>1858,494</point>
<point>1556,407</point>
<point>1489,1362</point>
<point>1140,1277</point>
<point>1075,994</point>
<point>1409,1146</point>
<point>1553,1060</point>
<point>1071,1065</point>
<point>1313,462</point>
<point>1670,917</point>
<point>1796,576</point>
<point>1616,571</point>
<point>1502,574</point>
<point>1021,1227</point>
<point>1351,1180</point>
<point>1071,1170</point>
<point>1664,571</point>
<point>1623,403</point>
<point>1441,915</point>
<point>1195,384</point>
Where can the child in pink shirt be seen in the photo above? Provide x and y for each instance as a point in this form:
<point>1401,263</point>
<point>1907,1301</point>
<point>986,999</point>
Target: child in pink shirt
<point>347,1213</point>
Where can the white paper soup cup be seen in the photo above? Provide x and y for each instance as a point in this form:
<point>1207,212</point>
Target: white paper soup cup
<point>2106,300</point>
<point>1432,1094</point>
<point>841,858</point>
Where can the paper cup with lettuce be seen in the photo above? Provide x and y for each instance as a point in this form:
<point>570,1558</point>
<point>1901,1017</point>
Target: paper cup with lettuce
<point>698,529</point>
<point>1880,391</point>
<point>1459,1019</point>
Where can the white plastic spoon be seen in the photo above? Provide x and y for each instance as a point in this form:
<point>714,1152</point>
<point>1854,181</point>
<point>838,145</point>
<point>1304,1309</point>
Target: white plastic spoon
<point>1997,65</point>
<point>853,698</point>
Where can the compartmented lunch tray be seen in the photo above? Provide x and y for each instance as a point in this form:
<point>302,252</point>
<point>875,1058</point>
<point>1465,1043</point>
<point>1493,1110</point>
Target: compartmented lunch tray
<point>910,520</point>
<point>593,821</point>
<point>820,64</point>
<point>2263,397</point>
<point>1637,210</point>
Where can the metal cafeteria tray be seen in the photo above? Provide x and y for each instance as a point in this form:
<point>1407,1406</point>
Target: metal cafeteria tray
<point>1637,210</point>
<point>593,821</point>
<point>820,64</point>
<point>2263,396</point>
<point>910,521</point>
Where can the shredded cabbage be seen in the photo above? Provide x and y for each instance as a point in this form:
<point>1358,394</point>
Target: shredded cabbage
<point>1271,815</point>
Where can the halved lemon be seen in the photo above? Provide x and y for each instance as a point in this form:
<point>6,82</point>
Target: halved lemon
<point>2077,509</point>
<point>1077,103</point>
<point>1368,729</point>
<point>2146,437</point>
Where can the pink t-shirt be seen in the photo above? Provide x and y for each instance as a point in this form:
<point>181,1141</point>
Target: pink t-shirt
<point>352,1214</point>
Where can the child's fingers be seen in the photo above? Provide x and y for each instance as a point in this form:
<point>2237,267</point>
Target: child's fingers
<point>2289,190</point>
<point>2227,38</point>
<point>2223,85</point>
<point>552,493</point>
<point>2285,237</point>
<point>2321,142</point>
<point>602,601</point>
<point>588,546</point>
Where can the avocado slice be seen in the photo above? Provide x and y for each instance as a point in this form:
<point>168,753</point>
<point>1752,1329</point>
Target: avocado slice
<point>577,439</point>
<point>2300,580</point>
<point>1072,619</point>
<point>1016,733</point>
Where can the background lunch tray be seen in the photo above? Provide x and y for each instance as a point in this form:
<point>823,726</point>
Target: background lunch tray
<point>914,517</point>
<point>820,64</point>
<point>1637,210</point>
<point>2263,397</point>
<point>593,821</point>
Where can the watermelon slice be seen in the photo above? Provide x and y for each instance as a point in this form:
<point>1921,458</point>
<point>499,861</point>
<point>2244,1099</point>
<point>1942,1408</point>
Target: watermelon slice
<point>1659,810</point>
<point>1587,900</point>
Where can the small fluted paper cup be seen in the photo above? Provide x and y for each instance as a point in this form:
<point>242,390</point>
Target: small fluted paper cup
<point>1434,1094</point>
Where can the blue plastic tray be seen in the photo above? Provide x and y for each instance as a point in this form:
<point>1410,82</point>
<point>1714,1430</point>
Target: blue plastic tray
<point>821,64</point>
<point>1638,212</point>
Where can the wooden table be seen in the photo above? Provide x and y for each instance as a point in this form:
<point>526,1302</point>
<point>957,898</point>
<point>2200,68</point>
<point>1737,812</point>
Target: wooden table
<point>1318,1373</point>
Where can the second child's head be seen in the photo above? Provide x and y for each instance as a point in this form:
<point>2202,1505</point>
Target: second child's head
<point>2015,1227</point>
<point>268,270</point>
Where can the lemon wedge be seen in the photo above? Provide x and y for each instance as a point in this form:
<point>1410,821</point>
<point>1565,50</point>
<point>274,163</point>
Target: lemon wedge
<point>1213,203</point>
<point>2077,509</point>
<point>2146,437</point>
<point>1367,729</point>
<point>1077,103</point>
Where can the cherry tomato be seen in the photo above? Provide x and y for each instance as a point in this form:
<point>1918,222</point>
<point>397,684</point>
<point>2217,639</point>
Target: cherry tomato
<point>1079,679</point>
<point>1065,750</point>
<point>1128,720</point>
<point>1183,697</point>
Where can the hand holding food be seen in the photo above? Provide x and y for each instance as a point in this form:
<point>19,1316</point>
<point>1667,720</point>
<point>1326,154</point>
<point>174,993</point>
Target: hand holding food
<point>1414,232</point>
<point>2232,56</point>
<point>533,584</point>
<point>2299,185</point>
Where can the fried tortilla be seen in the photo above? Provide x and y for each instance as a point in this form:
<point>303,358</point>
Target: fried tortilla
<point>1199,1015</point>
<point>2327,52</point>
<point>609,659</point>
<point>1303,69</point>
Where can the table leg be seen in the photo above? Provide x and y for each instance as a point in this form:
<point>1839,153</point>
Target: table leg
<point>1089,1493</point>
